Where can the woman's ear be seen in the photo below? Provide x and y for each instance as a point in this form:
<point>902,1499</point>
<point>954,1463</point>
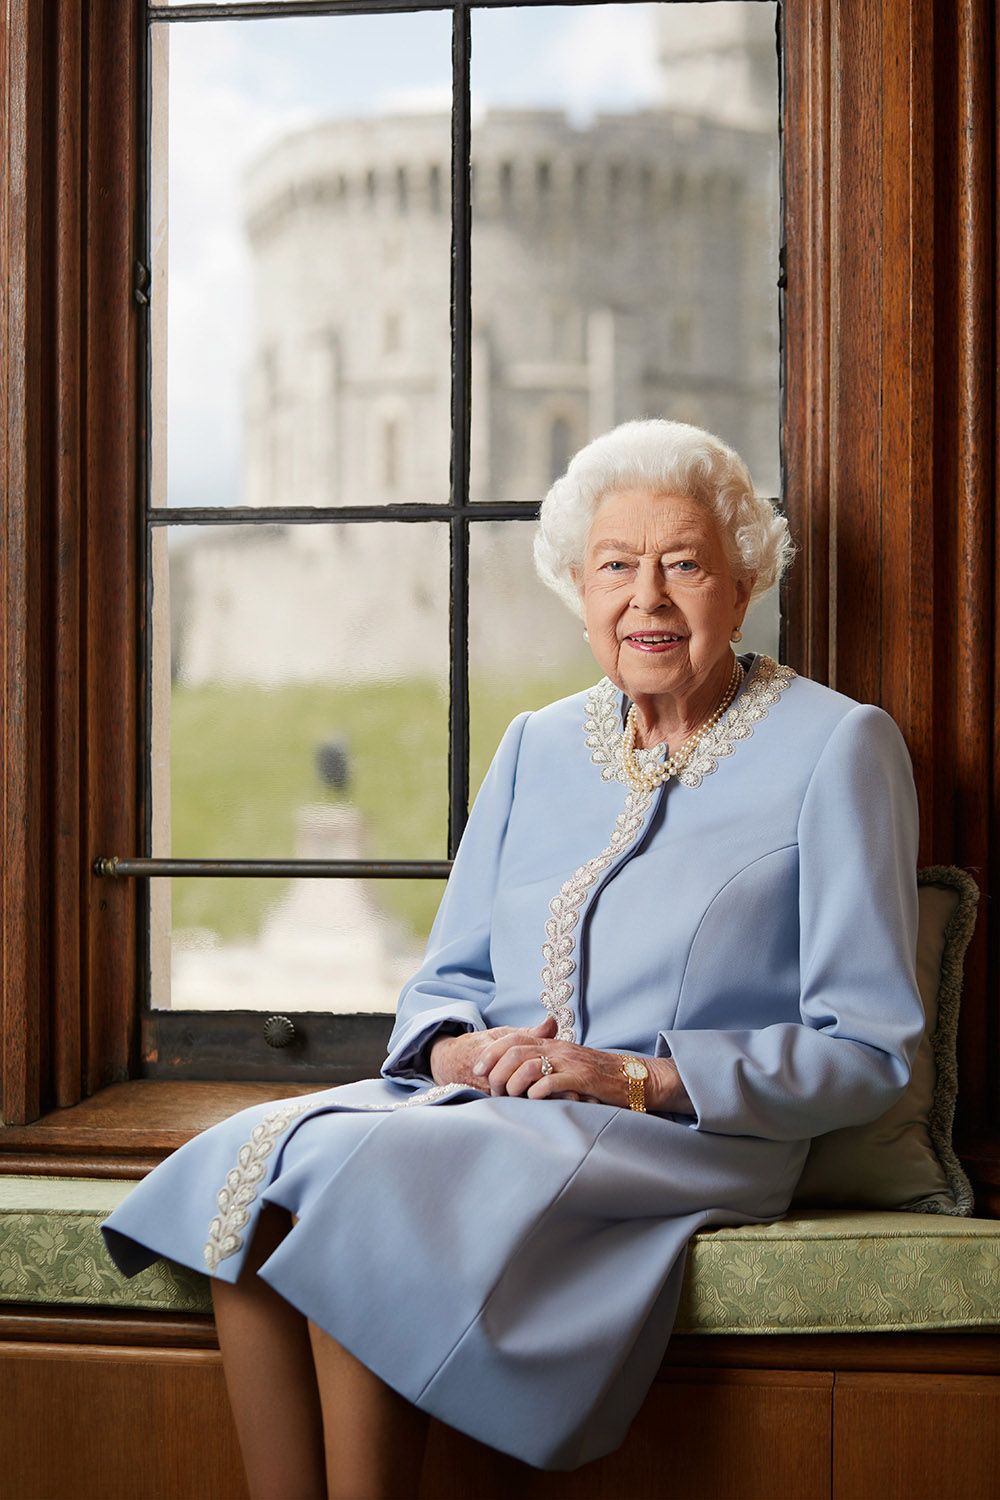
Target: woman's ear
<point>744,588</point>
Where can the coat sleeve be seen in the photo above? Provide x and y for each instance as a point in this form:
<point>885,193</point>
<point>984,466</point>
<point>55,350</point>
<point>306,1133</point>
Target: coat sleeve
<point>455,981</point>
<point>849,1058</point>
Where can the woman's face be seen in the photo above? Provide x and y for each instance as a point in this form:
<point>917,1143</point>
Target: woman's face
<point>660,599</point>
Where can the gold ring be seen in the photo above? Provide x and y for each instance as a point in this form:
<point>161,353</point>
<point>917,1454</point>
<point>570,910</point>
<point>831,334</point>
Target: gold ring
<point>546,1066</point>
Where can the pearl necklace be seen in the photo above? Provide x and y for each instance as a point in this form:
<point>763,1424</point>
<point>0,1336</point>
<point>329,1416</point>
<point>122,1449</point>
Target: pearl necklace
<point>649,778</point>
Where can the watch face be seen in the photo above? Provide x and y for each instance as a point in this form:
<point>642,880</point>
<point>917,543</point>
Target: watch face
<point>633,1068</point>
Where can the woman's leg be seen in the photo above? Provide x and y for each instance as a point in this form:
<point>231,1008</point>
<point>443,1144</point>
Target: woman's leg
<point>267,1359</point>
<point>375,1439</point>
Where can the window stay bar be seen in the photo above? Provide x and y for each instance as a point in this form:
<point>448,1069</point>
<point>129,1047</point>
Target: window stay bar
<point>111,866</point>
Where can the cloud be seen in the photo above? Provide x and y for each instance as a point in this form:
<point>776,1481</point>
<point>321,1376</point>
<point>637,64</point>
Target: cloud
<point>604,57</point>
<point>222,112</point>
<point>429,100</point>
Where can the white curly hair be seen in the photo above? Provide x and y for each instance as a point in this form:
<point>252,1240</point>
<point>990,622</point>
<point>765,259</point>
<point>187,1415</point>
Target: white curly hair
<point>666,457</point>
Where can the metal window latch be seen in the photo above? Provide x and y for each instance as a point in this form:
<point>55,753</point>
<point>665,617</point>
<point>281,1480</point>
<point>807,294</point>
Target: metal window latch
<point>140,291</point>
<point>279,1031</point>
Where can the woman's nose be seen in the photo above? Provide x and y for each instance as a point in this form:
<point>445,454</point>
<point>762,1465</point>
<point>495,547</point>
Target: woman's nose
<point>651,588</point>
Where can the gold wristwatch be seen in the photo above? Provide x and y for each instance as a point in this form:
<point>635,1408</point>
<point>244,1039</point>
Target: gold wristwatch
<point>636,1072</point>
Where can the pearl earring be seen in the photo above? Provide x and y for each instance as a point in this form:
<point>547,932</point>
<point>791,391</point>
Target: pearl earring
<point>737,634</point>
<point>586,636</point>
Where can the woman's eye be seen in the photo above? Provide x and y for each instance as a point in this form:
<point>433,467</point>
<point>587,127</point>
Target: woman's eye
<point>685,563</point>
<point>613,565</point>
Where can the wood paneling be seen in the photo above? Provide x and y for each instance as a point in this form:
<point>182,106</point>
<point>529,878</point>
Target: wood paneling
<point>67,1325</point>
<point>92,1405</point>
<point>93,1423</point>
<point>966,1352</point>
<point>806,307</point>
<point>116,434</point>
<point>123,1130</point>
<point>706,1435</point>
<point>928,1437</point>
<point>25,990</point>
<point>890,429</point>
<point>70,583</point>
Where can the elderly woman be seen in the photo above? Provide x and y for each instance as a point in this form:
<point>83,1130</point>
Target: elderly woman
<point>677,942</point>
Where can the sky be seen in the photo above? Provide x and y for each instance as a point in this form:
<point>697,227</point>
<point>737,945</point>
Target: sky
<point>235,86</point>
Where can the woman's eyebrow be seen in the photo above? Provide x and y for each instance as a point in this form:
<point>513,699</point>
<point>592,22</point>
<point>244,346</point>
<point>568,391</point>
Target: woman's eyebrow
<point>612,544</point>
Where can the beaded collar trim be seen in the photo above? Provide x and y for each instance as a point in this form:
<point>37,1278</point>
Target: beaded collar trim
<point>762,688</point>
<point>242,1185</point>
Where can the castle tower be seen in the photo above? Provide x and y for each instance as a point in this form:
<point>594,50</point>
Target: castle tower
<point>719,61</point>
<point>621,268</point>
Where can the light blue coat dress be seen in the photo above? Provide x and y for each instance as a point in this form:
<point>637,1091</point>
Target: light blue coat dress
<point>513,1266</point>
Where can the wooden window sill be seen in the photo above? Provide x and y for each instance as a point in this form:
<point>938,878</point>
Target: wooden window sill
<point>127,1128</point>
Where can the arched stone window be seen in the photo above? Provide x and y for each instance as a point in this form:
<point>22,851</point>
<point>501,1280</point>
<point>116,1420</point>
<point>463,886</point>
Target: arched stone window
<point>434,188</point>
<point>390,453</point>
<point>392,335</point>
<point>560,447</point>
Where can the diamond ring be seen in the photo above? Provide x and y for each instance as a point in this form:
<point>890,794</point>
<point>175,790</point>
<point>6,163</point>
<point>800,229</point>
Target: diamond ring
<point>546,1066</point>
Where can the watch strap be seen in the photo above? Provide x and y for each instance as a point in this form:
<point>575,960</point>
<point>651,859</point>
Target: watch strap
<point>636,1090</point>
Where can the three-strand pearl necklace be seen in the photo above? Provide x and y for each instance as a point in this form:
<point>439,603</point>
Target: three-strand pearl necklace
<point>648,778</point>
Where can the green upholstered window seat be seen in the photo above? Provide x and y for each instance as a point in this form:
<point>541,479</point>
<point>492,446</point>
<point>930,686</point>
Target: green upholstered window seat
<point>824,1271</point>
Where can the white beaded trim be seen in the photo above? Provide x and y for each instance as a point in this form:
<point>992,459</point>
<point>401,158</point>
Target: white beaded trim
<point>604,737</point>
<point>565,908</point>
<point>243,1181</point>
<point>765,683</point>
<point>749,708</point>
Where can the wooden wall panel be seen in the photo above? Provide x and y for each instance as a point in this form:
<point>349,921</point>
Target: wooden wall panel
<point>83,1422</point>
<point>891,429</point>
<point>806,94</point>
<point>24,995</point>
<point>70,110</point>
<point>112,721</point>
<point>928,1437</point>
<point>708,1435</point>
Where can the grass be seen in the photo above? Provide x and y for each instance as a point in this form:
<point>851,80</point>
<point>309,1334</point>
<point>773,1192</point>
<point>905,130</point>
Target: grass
<point>243,759</point>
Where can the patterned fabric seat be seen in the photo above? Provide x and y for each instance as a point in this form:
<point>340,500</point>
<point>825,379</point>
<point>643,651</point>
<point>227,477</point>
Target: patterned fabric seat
<point>825,1271</point>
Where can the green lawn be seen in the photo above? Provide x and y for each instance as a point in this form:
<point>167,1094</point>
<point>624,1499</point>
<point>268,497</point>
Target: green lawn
<point>244,758</point>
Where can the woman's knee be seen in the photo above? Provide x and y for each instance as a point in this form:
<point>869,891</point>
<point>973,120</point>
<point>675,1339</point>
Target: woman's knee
<point>273,1223</point>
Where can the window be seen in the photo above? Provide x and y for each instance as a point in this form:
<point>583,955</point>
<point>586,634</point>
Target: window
<point>318,630</point>
<point>560,447</point>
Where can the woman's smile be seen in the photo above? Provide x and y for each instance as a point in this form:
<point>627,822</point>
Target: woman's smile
<point>651,641</point>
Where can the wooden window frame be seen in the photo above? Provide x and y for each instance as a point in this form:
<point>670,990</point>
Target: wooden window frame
<point>889,122</point>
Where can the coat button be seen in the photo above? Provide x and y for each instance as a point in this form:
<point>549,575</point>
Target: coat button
<point>279,1031</point>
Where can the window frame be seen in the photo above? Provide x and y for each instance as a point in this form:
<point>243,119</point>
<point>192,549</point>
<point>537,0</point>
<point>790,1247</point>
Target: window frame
<point>889,440</point>
<point>178,1043</point>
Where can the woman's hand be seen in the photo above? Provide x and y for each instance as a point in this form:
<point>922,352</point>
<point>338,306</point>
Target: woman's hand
<point>453,1059</point>
<point>511,1064</point>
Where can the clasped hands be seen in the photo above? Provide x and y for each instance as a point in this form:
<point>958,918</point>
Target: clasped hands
<point>507,1060</point>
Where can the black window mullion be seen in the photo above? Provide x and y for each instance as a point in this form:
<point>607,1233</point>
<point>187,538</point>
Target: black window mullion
<point>461,366</point>
<point>340,515</point>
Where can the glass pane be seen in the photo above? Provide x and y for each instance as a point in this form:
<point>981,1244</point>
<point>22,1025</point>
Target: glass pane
<point>625,232</point>
<point>298,672</point>
<point>537,655</point>
<point>300,226</point>
<point>322,945</point>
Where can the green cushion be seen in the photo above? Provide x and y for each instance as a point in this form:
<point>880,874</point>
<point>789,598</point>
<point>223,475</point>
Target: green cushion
<point>905,1159</point>
<point>827,1271</point>
<point>837,1271</point>
<point>51,1250</point>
